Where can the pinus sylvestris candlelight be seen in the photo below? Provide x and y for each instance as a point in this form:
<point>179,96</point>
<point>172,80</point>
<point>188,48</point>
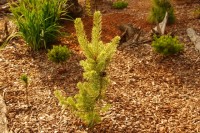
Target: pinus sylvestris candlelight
<point>88,103</point>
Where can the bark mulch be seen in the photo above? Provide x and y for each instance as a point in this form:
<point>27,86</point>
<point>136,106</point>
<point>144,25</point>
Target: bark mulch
<point>148,93</point>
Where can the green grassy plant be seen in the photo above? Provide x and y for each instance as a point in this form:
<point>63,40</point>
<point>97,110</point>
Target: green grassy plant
<point>120,4</point>
<point>159,8</point>
<point>38,20</point>
<point>58,54</point>
<point>167,45</point>
<point>88,103</point>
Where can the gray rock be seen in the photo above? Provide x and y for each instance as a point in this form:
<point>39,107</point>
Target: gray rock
<point>194,38</point>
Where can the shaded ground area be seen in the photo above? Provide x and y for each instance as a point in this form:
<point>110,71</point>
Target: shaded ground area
<point>148,93</point>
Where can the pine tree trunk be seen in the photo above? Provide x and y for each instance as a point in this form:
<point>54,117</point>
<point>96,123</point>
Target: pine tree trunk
<point>75,9</point>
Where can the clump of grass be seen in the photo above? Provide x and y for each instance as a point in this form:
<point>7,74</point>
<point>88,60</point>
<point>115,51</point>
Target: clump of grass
<point>58,54</point>
<point>158,10</point>
<point>38,20</point>
<point>167,45</point>
<point>120,4</point>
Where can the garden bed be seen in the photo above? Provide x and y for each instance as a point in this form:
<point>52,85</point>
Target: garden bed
<point>148,93</point>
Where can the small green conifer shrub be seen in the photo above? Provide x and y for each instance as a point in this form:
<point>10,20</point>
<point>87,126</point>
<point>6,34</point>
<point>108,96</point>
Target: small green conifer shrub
<point>38,20</point>
<point>58,54</point>
<point>158,10</point>
<point>24,78</point>
<point>120,4</point>
<point>197,13</point>
<point>88,103</point>
<point>167,45</point>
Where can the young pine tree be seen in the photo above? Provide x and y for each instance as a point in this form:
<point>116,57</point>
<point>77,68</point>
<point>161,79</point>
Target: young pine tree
<point>87,104</point>
<point>24,78</point>
<point>159,8</point>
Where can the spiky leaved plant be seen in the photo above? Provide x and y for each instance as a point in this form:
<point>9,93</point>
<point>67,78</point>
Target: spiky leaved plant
<point>87,104</point>
<point>38,20</point>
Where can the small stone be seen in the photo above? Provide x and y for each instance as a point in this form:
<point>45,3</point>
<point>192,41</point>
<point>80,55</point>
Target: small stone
<point>194,38</point>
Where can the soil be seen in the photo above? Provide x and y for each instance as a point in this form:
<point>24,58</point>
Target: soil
<point>148,93</point>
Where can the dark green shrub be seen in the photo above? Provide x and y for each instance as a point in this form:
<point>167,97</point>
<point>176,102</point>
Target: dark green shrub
<point>167,45</point>
<point>58,54</point>
<point>37,20</point>
<point>120,4</point>
<point>160,7</point>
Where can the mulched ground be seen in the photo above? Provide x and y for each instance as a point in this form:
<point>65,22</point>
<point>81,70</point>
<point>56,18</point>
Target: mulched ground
<point>148,93</point>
